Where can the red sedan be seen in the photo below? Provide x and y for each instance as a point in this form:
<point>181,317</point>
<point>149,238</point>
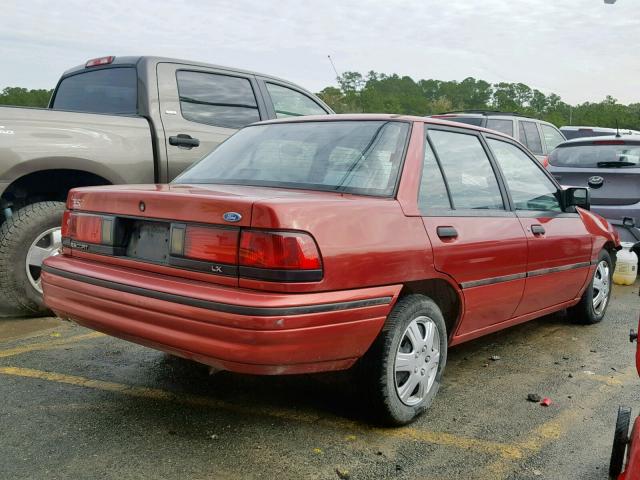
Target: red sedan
<point>310,244</point>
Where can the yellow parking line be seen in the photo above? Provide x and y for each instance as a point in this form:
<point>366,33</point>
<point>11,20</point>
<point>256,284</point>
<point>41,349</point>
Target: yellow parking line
<point>407,433</point>
<point>48,345</point>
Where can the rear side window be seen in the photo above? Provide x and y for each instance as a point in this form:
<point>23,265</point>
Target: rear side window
<point>433,191</point>
<point>467,170</point>
<point>501,125</point>
<point>218,100</point>
<point>552,137</point>
<point>290,103</point>
<point>529,135</point>
<point>110,90</point>
<point>596,156</point>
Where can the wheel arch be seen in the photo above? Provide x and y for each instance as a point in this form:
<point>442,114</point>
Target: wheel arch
<point>444,294</point>
<point>50,184</point>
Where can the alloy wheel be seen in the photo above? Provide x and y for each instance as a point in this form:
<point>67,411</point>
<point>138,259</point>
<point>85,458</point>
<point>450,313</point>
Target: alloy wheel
<point>46,245</point>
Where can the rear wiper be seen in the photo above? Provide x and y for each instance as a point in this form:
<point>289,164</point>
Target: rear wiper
<point>615,164</point>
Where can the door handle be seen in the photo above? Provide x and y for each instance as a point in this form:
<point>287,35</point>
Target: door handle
<point>447,232</point>
<point>184,140</point>
<point>537,229</point>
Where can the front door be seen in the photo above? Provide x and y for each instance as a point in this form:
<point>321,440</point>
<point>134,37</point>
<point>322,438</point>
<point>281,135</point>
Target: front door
<point>559,245</point>
<point>475,239</point>
<point>202,107</point>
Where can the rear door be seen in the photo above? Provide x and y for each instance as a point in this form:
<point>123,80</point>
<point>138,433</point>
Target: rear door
<point>476,240</point>
<point>201,107</point>
<point>558,243</point>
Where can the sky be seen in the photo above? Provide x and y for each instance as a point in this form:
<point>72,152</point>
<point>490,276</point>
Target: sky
<point>582,50</point>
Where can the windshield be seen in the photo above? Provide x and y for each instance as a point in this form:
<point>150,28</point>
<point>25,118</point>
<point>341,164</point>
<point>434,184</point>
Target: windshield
<point>348,156</point>
<point>596,156</point>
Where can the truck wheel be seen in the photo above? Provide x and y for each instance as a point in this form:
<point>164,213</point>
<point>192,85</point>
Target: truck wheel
<point>620,440</point>
<point>26,239</point>
<point>404,366</point>
<point>595,299</point>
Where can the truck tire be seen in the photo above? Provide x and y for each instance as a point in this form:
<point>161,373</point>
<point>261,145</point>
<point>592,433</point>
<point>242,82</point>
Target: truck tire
<point>26,239</point>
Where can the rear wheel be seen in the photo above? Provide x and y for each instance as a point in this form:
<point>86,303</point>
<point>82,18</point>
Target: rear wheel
<point>30,236</point>
<point>620,440</point>
<point>404,366</point>
<point>595,299</point>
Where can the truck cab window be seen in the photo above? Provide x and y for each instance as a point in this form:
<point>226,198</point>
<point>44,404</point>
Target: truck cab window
<point>109,90</point>
<point>215,99</point>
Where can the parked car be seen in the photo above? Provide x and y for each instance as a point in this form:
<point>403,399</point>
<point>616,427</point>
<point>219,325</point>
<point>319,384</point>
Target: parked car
<point>116,120</point>
<point>625,452</point>
<point>610,167</point>
<point>539,136</point>
<point>571,132</point>
<point>305,245</point>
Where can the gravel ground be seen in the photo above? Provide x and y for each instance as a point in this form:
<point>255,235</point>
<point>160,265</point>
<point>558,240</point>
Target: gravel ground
<point>76,404</point>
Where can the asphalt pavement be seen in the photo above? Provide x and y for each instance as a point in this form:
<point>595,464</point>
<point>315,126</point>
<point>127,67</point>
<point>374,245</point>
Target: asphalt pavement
<point>78,404</point>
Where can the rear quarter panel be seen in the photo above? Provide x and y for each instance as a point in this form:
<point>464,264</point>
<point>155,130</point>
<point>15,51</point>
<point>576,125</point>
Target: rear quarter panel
<point>363,241</point>
<point>117,148</point>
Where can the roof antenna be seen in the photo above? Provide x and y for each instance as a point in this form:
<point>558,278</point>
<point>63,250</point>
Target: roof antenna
<point>617,130</point>
<point>334,67</point>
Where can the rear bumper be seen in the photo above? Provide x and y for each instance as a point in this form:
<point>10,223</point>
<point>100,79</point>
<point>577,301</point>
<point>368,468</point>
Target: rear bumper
<point>231,329</point>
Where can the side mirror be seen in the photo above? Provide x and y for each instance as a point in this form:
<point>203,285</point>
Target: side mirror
<point>575,197</point>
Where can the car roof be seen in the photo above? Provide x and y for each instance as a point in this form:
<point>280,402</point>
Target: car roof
<point>483,113</point>
<point>621,140</point>
<point>134,60</point>
<point>381,117</point>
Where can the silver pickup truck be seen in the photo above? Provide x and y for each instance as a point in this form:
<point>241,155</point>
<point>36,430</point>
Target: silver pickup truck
<point>115,121</point>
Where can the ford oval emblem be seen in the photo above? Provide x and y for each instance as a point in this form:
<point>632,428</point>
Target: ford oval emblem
<point>232,216</point>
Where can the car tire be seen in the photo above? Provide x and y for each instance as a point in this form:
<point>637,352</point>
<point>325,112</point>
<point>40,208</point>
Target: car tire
<point>620,440</point>
<point>28,235</point>
<point>588,311</point>
<point>415,335</point>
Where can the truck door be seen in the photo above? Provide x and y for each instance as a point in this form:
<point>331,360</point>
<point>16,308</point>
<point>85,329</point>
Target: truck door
<point>201,107</point>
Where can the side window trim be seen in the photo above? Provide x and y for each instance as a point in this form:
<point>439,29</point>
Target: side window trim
<point>257,95</point>
<point>427,143</point>
<point>504,191</point>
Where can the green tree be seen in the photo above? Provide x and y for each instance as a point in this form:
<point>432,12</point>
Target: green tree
<point>26,98</point>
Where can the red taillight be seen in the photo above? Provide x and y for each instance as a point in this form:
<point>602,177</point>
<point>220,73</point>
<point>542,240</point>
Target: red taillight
<point>96,62</point>
<point>87,228</point>
<point>545,161</point>
<point>211,244</point>
<point>279,250</point>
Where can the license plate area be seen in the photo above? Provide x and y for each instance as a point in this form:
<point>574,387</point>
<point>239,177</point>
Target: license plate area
<point>149,241</point>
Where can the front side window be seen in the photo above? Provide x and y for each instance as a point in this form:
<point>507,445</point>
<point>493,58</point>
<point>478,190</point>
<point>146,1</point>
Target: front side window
<point>530,137</point>
<point>530,188</point>
<point>290,103</point>
<point>467,170</point>
<point>501,125</point>
<point>433,191</point>
<point>362,157</point>
<point>552,137</point>
<point>217,99</point>
<point>110,90</point>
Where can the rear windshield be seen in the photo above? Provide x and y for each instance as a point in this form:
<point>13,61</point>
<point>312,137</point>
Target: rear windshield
<point>596,156</point>
<point>110,90</point>
<point>361,157</point>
